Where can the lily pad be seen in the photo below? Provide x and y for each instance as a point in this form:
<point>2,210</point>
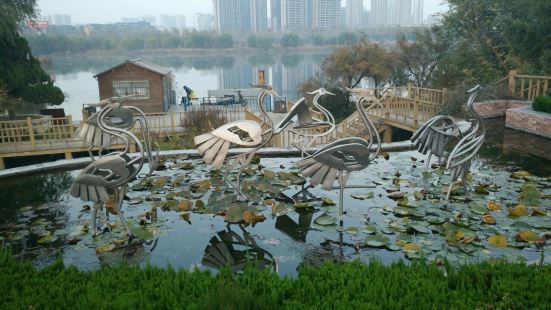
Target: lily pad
<point>326,220</point>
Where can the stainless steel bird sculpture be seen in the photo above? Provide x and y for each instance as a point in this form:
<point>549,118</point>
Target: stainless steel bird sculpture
<point>308,128</point>
<point>214,146</point>
<point>110,174</point>
<point>338,159</point>
<point>460,158</point>
<point>92,134</point>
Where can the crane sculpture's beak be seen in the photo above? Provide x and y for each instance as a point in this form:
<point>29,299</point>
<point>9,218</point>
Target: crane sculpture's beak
<point>474,89</point>
<point>329,93</point>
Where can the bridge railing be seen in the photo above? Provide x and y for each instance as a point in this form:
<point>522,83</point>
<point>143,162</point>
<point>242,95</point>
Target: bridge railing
<point>525,87</point>
<point>36,131</point>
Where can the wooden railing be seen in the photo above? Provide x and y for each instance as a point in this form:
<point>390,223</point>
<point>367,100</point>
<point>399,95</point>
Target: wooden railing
<point>525,87</point>
<point>36,131</point>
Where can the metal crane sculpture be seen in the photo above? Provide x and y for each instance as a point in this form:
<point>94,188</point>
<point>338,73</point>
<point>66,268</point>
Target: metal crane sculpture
<point>111,174</point>
<point>305,139</point>
<point>92,133</point>
<point>460,158</point>
<point>339,158</point>
<point>214,146</point>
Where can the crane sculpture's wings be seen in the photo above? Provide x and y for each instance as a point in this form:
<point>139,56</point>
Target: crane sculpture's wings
<point>93,181</point>
<point>465,150</point>
<point>435,135</point>
<point>324,166</point>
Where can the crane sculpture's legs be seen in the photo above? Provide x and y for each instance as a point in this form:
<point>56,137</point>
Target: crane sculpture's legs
<point>119,196</point>
<point>90,152</point>
<point>94,217</point>
<point>427,165</point>
<point>343,178</point>
<point>244,163</point>
<point>449,192</point>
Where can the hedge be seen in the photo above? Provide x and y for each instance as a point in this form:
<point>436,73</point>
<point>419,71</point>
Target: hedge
<point>542,103</point>
<point>497,285</point>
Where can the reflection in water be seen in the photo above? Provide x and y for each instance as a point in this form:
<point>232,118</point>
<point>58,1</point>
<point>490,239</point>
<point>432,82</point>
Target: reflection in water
<point>132,253</point>
<point>295,230</point>
<point>230,249</point>
<point>506,146</point>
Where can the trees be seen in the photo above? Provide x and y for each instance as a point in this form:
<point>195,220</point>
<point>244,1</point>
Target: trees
<point>20,73</point>
<point>290,40</point>
<point>349,65</point>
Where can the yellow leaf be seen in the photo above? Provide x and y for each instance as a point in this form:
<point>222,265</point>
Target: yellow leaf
<point>493,206</point>
<point>520,174</point>
<point>251,217</point>
<point>528,236</point>
<point>497,241</point>
<point>110,205</point>
<point>488,219</point>
<point>185,205</point>
<point>519,210</point>
<point>105,248</point>
<point>412,247</point>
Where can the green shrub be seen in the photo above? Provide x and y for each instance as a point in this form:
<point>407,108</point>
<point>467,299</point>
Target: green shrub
<point>488,285</point>
<point>542,103</point>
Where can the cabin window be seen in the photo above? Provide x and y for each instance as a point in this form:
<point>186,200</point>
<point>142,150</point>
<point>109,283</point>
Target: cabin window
<point>125,88</point>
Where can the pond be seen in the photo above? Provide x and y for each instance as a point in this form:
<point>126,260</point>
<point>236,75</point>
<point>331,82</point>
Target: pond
<point>186,217</point>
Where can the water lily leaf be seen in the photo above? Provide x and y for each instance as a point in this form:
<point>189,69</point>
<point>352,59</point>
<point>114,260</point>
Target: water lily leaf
<point>269,174</point>
<point>46,239</point>
<point>253,217</point>
<point>497,241</point>
<point>303,205</point>
<point>528,236</point>
<point>418,195</point>
<point>376,241</point>
<point>368,195</point>
<point>160,182</point>
<point>234,214</point>
<point>279,209</point>
<point>396,195</point>
<point>518,210</point>
<point>135,201</point>
<point>493,206</point>
<point>185,205</point>
<point>326,220</point>
<point>411,247</point>
<point>369,229</point>
<point>105,248</point>
<point>488,219</point>
<point>352,230</point>
<point>418,228</point>
<point>522,225</point>
<point>327,202</point>
<point>392,247</point>
<point>186,216</point>
<point>530,195</point>
<point>520,174</point>
<point>170,205</point>
<point>400,211</point>
<point>201,185</point>
<point>481,189</point>
<point>538,212</point>
<point>477,207</point>
<point>435,220</point>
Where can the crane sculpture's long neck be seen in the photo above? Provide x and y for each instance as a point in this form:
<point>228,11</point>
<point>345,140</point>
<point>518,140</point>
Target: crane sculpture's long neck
<point>374,134</point>
<point>328,116</point>
<point>122,134</point>
<point>146,133</point>
<point>478,124</point>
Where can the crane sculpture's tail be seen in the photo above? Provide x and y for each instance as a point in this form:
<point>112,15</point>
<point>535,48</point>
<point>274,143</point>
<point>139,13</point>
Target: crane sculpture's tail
<point>318,173</point>
<point>213,149</point>
<point>93,135</point>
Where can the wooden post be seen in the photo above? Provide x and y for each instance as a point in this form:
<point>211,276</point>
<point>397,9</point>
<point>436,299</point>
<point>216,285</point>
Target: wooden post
<point>172,121</point>
<point>511,84</point>
<point>31,131</point>
<point>410,90</point>
<point>68,155</point>
<point>70,121</point>
<point>444,95</point>
<point>2,164</point>
<point>415,113</point>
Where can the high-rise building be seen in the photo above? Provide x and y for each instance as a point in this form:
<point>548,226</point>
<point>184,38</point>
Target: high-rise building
<point>379,12</point>
<point>354,11</point>
<point>181,21</point>
<point>326,13</point>
<point>167,21</point>
<point>275,9</point>
<point>295,14</point>
<point>151,19</point>
<point>405,16</point>
<point>61,19</point>
<point>259,15</point>
<point>241,15</point>
<point>204,22</point>
<point>418,11</point>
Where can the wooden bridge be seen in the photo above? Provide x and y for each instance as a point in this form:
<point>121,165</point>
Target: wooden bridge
<point>405,107</point>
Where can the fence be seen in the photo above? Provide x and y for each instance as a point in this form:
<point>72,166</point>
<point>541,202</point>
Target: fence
<point>36,131</point>
<point>525,87</point>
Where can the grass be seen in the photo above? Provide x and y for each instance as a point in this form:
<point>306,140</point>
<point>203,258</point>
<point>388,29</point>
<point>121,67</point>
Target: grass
<point>497,285</point>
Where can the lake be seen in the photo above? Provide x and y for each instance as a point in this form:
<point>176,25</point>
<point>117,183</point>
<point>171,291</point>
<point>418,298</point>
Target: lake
<point>74,74</point>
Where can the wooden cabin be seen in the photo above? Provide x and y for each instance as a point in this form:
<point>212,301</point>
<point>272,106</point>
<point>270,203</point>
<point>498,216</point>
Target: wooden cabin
<point>151,83</point>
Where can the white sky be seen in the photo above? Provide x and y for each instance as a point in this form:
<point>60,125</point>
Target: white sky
<point>108,11</point>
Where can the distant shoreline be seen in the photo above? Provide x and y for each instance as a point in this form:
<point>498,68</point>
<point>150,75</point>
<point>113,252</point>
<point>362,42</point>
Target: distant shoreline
<point>202,51</point>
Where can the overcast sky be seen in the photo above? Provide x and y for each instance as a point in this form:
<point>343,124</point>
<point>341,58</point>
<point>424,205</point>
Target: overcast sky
<point>107,11</point>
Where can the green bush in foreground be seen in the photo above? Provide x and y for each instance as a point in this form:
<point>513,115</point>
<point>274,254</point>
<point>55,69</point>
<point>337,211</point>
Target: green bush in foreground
<point>332,286</point>
<point>542,103</point>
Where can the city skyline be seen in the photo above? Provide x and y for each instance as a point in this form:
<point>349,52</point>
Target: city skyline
<point>84,12</point>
